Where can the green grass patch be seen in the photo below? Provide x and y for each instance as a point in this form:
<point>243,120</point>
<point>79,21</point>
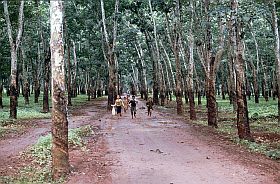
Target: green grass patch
<point>31,111</point>
<point>261,110</point>
<point>263,124</point>
<point>227,128</point>
<point>268,125</point>
<point>39,170</point>
<point>262,148</point>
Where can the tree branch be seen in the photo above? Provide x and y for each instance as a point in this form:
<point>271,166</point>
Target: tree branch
<point>20,26</point>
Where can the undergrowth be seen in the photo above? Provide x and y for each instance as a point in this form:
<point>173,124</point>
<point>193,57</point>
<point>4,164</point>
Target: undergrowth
<point>39,170</point>
<point>262,148</point>
<point>262,121</point>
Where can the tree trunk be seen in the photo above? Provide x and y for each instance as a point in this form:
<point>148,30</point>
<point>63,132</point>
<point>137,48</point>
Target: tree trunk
<point>223,90</point>
<point>110,56</point>
<point>179,93</point>
<point>156,59</point>
<point>255,70</point>
<point>276,51</point>
<point>60,155</point>
<point>99,86</point>
<point>162,85</point>
<point>199,97</point>
<point>242,109</point>
<point>198,88</point>
<point>190,85</point>
<point>155,69</point>
<point>142,71</point>
<point>112,91</point>
<point>232,73</point>
<point>255,81</point>
<point>13,49</point>
<point>36,77</point>
<point>74,81</point>
<point>168,88</point>
<point>248,88</point>
<point>175,37</point>
<point>210,63</point>
<point>69,85</point>
<point>169,66</point>
<point>274,86</point>
<point>265,83</point>
<point>24,76</point>
<point>211,97</point>
<point>47,60</point>
<point>89,93</point>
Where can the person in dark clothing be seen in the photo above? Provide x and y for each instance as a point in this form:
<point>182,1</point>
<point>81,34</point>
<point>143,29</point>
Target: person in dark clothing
<point>149,105</point>
<point>133,103</point>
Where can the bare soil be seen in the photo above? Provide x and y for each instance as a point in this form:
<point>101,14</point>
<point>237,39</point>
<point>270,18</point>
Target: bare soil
<point>164,148</point>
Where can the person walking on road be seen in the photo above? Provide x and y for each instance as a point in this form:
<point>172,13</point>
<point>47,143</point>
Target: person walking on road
<point>133,106</point>
<point>149,105</point>
<point>119,105</point>
<point>125,103</point>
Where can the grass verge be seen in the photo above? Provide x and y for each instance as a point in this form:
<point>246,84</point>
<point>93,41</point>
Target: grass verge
<point>263,124</point>
<point>39,157</point>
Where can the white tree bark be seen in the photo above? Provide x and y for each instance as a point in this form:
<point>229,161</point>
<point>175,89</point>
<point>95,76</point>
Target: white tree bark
<point>60,155</point>
<point>169,66</point>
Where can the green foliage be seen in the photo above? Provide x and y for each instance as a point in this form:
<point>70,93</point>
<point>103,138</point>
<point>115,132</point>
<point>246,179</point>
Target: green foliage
<point>79,100</point>
<point>262,110</point>
<point>260,148</point>
<point>253,146</point>
<point>266,125</point>
<point>274,154</point>
<point>75,136</point>
<point>41,151</point>
<point>227,128</point>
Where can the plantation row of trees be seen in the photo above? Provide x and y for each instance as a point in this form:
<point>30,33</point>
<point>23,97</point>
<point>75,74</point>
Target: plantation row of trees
<point>186,49</point>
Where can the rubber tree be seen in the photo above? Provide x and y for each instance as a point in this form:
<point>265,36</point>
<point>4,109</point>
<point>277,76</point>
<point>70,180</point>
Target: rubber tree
<point>155,55</point>
<point>190,83</point>
<point>24,75</point>
<point>142,70</point>
<point>47,62</point>
<point>60,155</point>
<point>69,81</point>
<point>210,62</point>
<point>169,70</point>
<point>14,46</point>
<point>110,54</point>
<point>174,39</point>
<point>255,69</point>
<point>238,47</point>
<point>276,50</point>
<point>74,79</point>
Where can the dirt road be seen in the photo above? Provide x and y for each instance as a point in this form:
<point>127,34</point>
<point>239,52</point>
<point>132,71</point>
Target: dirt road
<point>162,149</point>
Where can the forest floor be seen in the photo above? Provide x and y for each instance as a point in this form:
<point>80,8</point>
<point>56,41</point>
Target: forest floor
<point>164,148</point>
